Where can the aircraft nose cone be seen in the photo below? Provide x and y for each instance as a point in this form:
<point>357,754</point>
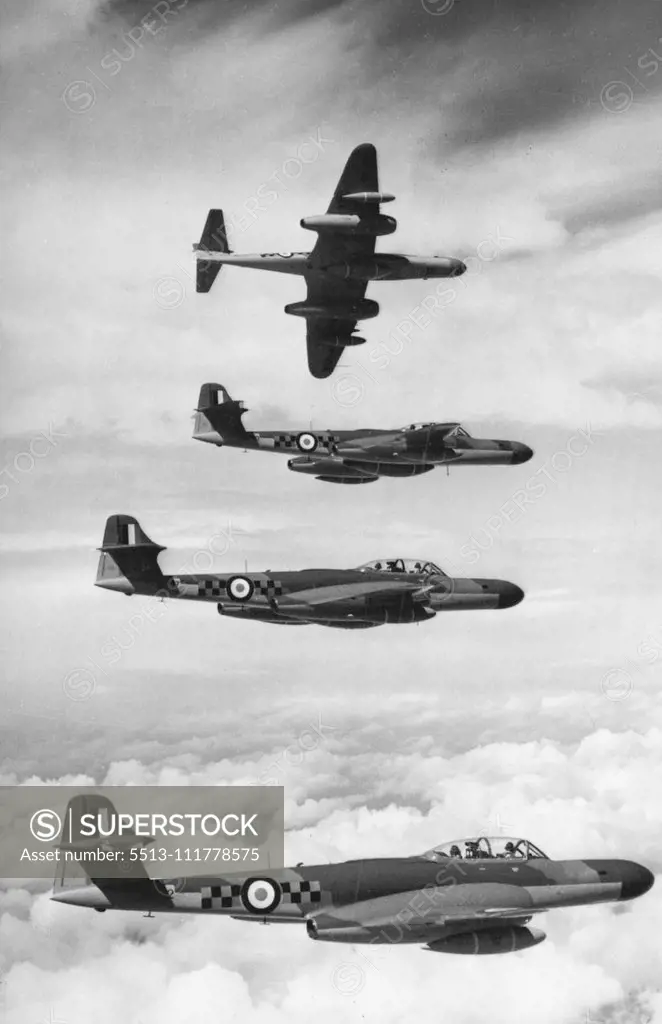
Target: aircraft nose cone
<point>521,453</point>
<point>636,880</point>
<point>458,268</point>
<point>509,594</point>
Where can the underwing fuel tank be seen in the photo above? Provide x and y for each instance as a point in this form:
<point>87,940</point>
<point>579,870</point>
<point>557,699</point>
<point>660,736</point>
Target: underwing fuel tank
<point>259,613</point>
<point>331,471</point>
<point>363,309</point>
<point>350,224</point>
<point>489,941</point>
<point>355,471</point>
<point>327,930</point>
<point>369,197</point>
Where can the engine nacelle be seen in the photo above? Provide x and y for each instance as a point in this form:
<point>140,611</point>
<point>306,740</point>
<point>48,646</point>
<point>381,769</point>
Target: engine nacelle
<point>399,610</point>
<point>350,224</point>
<point>362,309</point>
<point>489,941</point>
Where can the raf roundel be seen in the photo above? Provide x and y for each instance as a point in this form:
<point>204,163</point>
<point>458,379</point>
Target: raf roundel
<point>306,442</point>
<point>240,588</point>
<point>260,895</point>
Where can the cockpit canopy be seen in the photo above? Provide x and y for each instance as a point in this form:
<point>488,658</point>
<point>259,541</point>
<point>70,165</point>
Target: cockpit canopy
<point>485,848</point>
<point>412,566</point>
<point>449,430</point>
<point>457,432</point>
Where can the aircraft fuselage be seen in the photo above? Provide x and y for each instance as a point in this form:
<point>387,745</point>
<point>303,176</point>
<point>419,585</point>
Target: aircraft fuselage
<point>380,267</point>
<point>385,447</point>
<point>357,596</point>
<point>386,900</point>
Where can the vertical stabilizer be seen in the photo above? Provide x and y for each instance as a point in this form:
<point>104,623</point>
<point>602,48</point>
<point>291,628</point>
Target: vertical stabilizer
<point>218,418</point>
<point>129,559</point>
<point>214,238</point>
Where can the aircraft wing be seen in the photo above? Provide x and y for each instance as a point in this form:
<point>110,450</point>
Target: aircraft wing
<point>327,338</point>
<point>441,906</point>
<point>316,596</point>
<point>359,175</point>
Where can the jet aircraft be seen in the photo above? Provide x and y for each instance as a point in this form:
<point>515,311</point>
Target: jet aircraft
<point>340,266</point>
<point>353,456</point>
<point>472,896</point>
<point>388,590</point>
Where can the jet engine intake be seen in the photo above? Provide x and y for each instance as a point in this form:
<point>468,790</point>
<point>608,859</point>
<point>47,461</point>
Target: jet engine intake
<point>350,224</point>
<point>489,941</point>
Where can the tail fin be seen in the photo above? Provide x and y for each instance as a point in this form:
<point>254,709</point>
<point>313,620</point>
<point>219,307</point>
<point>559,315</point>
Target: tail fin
<point>214,238</point>
<point>129,559</point>
<point>217,421</point>
<point>79,878</point>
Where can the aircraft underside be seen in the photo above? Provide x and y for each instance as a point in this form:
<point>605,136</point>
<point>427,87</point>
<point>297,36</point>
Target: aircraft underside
<point>366,617</point>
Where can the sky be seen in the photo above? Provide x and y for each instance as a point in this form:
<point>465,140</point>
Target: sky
<point>520,137</point>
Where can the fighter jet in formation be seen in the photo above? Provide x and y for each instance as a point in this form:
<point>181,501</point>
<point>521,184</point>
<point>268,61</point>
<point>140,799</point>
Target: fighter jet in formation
<point>388,590</point>
<point>353,456</point>
<point>472,896</point>
<point>339,268</point>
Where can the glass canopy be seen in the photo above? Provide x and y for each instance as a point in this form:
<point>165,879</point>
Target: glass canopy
<point>449,429</point>
<point>486,847</point>
<point>412,566</point>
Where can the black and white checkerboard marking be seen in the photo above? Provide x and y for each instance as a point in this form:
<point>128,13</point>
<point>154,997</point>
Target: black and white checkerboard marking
<point>259,895</point>
<point>301,892</point>
<point>220,897</point>
<point>269,588</point>
<point>222,588</point>
<point>305,442</point>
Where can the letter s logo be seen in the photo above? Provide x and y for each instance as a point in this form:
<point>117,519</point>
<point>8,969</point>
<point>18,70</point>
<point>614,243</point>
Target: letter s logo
<point>45,825</point>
